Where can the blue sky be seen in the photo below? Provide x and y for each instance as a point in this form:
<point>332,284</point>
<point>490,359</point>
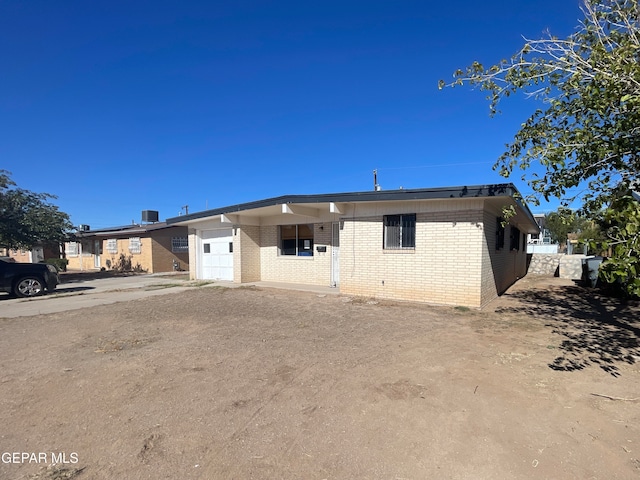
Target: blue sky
<point>119,107</point>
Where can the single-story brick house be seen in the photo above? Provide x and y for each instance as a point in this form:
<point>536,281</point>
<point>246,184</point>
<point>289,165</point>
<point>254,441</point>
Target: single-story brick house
<point>438,245</point>
<point>153,248</point>
<point>37,254</point>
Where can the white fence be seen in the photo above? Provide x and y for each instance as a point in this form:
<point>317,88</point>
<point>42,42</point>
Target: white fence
<point>542,248</point>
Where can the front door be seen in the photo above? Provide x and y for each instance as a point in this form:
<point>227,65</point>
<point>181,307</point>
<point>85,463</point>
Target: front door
<point>37,255</point>
<point>97,250</point>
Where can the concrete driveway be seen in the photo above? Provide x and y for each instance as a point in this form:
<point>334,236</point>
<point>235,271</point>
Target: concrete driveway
<point>87,290</point>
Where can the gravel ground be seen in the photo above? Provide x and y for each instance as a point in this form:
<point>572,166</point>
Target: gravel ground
<point>257,383</point>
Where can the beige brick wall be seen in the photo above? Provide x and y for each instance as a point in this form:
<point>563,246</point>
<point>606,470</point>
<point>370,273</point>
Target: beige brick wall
<point>19,255</point>
<point>491,259</point>
<point>143,259</point>
<point>246,254</point>
<point>109,259</point>
<point>443,268</point>
<point>75,261</point>
<point>87,261</point>
<point>193,254</point>
<point>500,268</point>
<point>315,270</point>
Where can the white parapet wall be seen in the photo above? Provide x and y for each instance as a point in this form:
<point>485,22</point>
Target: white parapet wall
<point>543,248</point>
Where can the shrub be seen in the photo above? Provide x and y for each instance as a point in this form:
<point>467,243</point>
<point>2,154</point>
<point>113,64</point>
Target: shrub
<point>123,263</point>
<point>59,263</point>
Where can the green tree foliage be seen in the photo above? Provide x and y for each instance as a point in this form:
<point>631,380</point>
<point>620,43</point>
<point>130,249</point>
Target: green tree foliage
<point>585,135</point>
<point>27,218</point>
<point>591,234</point>
<point>560,224</point>
<point>621,226</point>
<point>587,131</point>
<point>565,221</point>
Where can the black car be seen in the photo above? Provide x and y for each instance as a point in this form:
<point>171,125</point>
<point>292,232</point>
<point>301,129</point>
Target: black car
<point>27,279</point>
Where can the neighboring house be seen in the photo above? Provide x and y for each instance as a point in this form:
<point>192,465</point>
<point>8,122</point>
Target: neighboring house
<point>439,245</point>
<point>153,248</point>
<point>544,237</point>
<point>36,255</point>
<point>541,242</point>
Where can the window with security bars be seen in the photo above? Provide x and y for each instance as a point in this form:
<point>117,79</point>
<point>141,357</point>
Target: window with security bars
<point>399,232</point>
<point>71,249</point>
<point>112,245</point>
<point>514,239</point>
<point>499,233</point>
<point>179,244</point>
<point>135,245</point>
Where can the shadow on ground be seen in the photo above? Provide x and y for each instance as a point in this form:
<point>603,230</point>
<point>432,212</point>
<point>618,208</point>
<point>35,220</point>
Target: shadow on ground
<point>597,330</point>
<point>73,277</point>
<point>72,289</point>
<point>57,291</point>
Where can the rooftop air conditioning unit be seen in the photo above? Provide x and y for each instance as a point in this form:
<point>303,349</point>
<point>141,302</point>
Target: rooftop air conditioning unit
<point>84,228</point>
<point>150,216</point>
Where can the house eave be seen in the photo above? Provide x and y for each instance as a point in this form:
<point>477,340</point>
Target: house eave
<point>333,200</point>
<point>122,230</point>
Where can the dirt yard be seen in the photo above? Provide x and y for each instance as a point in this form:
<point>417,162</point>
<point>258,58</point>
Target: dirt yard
<point>218,383</point>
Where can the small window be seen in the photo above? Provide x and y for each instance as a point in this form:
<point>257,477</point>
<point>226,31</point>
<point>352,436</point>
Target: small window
<point>112,245</point>
<point>135,245</point>
<point>296,240</point>
<point>514,239</point>
<point>499,233</point>
<point>399,232</point>
<point>179,244</point>
<point>206,248</point>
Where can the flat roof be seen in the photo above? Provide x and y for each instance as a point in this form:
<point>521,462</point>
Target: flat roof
<point>471,191</point>
<point>133,228</point>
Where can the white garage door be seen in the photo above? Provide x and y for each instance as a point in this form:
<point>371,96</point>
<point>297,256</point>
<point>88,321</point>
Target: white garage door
<point>217,254</point>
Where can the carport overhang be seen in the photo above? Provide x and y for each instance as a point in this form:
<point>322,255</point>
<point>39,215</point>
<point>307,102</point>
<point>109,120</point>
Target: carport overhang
<point>289,212</point>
